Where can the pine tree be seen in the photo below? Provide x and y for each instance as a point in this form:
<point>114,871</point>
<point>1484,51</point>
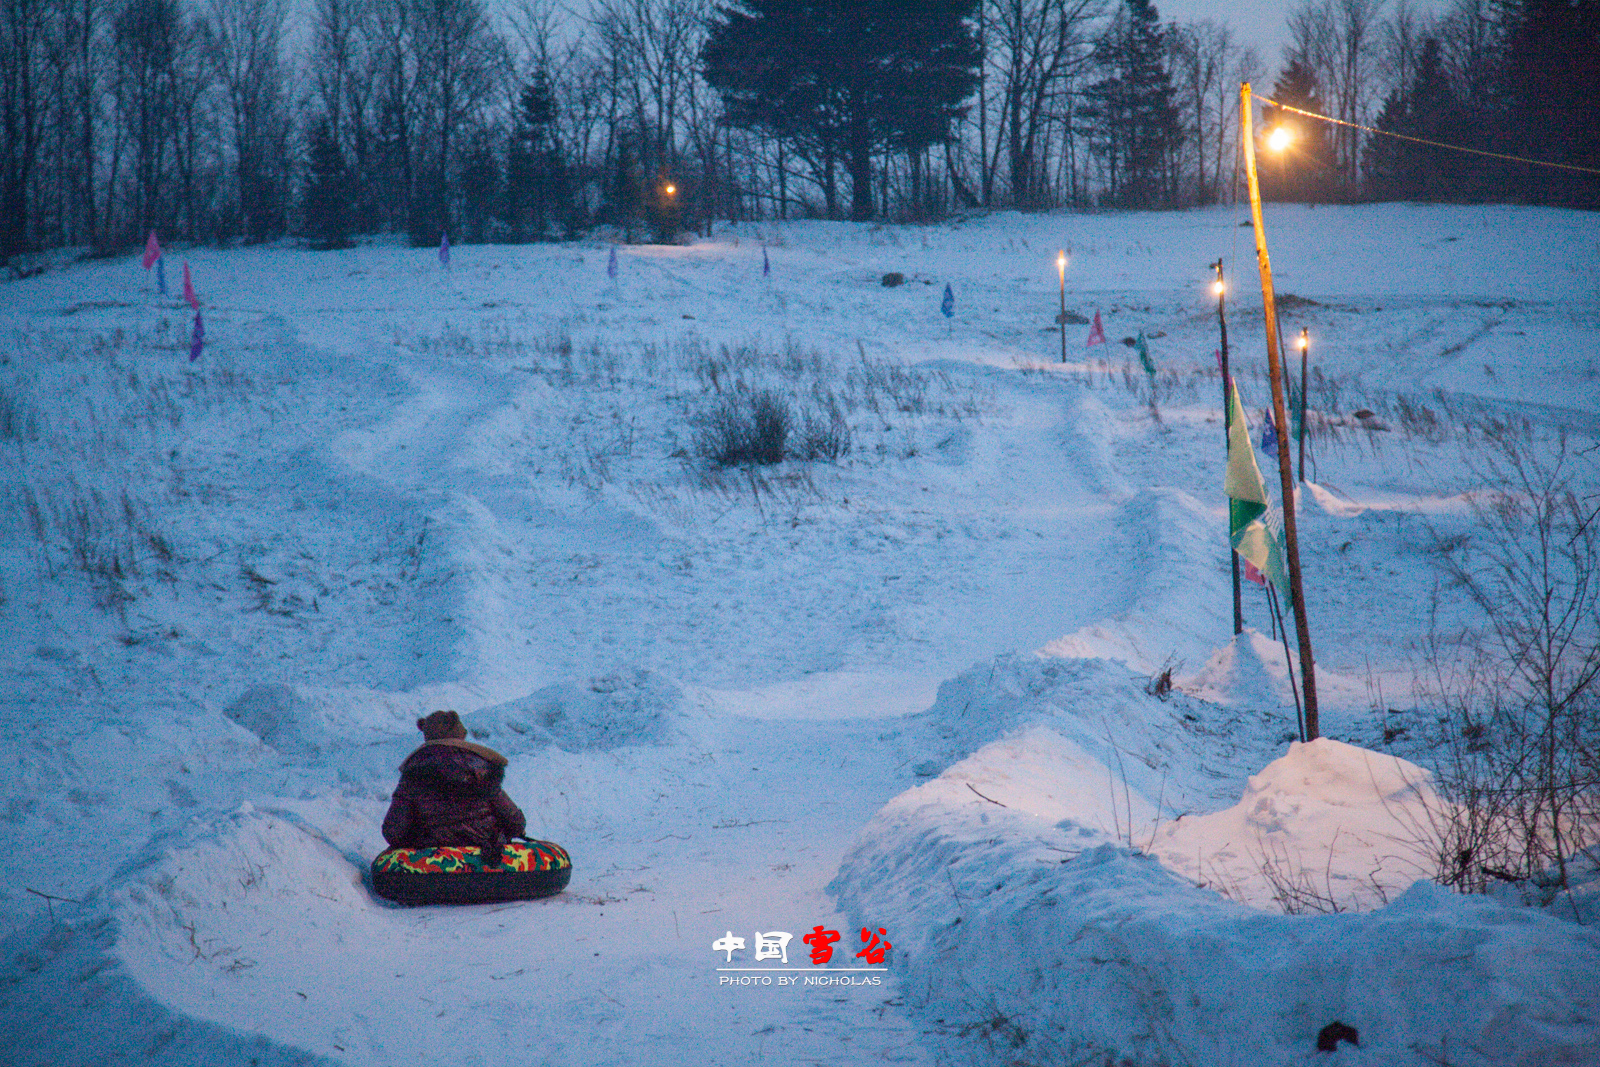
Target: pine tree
<point>1132,114</point>
<point>325,200</point>
<point>1552,90</point>
<point>538,188</point>
<point>1305,171</point>
<point>843,80</point>
<point>1429,109</point>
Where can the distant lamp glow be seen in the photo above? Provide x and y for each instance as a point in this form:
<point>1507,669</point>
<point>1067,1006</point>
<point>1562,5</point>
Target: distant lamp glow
<point>1061,262</point>
<point>1218,288</point>
<point>1304,341</point>
<point>1280,138</point>
<point>671,189</point>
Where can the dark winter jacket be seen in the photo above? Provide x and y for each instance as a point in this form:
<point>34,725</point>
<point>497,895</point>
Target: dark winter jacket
<point>449,794</point>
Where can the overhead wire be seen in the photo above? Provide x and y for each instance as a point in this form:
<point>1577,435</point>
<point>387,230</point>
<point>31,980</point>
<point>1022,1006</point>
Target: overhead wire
<point>1423,140</point>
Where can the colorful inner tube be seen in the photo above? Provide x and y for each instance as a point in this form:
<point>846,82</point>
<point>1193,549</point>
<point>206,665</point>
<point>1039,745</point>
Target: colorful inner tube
<point>450,875</point>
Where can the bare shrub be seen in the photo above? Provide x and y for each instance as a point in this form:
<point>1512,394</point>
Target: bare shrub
<point>746,429</point>
<point>1521,726</point>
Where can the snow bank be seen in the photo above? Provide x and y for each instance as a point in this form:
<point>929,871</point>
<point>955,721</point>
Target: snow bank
<point>1038,933</point>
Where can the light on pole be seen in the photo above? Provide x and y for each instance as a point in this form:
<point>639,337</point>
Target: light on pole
<point>1220,288</point>
<point>1061,271</point>
<point>1279,412</point>
<point>1304,344</point>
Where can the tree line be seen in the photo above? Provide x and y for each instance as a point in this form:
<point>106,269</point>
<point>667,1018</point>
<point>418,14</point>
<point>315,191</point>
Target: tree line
<point>219,121</point>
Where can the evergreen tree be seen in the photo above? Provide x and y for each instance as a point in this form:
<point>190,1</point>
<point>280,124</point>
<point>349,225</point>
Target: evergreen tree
<point>538,188</point>
<point>1305,170</point>
<point>325,199</point>
<point>1552,92</point>
<point>1132,113</point>
<point>843,80</point>
<point>1428,109</point>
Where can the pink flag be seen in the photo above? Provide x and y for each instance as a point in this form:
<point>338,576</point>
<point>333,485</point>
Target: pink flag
<point>152,251</point>
<point>1252,573</point>
<point>1097,333</point>
<point>188,288</point>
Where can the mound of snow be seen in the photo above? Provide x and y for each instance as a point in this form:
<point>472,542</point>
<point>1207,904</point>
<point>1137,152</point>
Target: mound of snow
<point>1327,826</point>
<point>620,709</point>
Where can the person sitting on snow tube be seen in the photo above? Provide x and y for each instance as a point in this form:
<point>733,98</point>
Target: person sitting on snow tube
<point>450,795</point>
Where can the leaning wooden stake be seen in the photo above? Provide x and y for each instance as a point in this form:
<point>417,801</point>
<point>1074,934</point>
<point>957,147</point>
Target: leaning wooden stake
<point>1280,414</point>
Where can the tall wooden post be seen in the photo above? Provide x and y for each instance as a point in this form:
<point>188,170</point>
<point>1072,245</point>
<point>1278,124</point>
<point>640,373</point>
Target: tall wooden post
<point>1280,414</point>
<point>1227,420</point>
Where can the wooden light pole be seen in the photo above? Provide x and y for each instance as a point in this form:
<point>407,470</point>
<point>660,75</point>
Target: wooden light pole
<point>1220,288</point>
<point>1280,414</point>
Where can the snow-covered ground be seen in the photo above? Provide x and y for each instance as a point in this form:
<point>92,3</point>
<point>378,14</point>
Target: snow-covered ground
<point>906,689</point>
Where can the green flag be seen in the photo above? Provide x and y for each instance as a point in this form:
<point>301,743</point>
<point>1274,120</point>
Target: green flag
<point>1144,357</point>
<point>1253,525</point>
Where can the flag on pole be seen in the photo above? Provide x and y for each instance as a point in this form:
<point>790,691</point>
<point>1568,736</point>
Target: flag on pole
<point>152,250</point>
<point>188,288</point>
<point>444,249</point>
<point>611,264</point>
<point>161,275</point>
<point>1144,357</point>
<point>1269,435</point>
<point>1097,333</point>
<point>1252,523</point>
<point>198,342</point>
<point>948,304</point>
<point>766,264</point>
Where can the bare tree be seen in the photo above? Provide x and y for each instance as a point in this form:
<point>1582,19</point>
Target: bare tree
<point>1337,40</point>
<point>1033,47</point>
<point>249,37</point>
<point>23,77</point>
<point>1204,52</point>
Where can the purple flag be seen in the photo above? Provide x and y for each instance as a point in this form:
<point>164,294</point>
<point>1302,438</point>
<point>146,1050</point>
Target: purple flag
<point>444,249</point>
<point>611,264</point>
<point>766,267</point>
<point>199,341</point>
<point>1269,435</point>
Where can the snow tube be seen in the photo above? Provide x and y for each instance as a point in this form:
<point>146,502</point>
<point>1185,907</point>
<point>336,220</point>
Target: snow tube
<point>452,875</point>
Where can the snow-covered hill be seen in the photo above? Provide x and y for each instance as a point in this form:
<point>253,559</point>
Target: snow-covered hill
<point>904,687</point>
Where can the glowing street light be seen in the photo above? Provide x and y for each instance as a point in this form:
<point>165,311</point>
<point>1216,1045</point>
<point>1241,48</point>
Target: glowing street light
<point>1280,138</point>
<point>671,189</point>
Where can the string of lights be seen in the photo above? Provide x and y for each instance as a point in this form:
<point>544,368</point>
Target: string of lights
<point>1434,144</point>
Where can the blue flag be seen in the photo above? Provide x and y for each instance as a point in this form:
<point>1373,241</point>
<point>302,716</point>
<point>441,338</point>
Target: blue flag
<point>161,275</point>
<point>444,249</point>
<point>766,265</point>
<point>611,264</point>
<point>948,304</point>
<point>1269,436</point>
<point>198,342</point>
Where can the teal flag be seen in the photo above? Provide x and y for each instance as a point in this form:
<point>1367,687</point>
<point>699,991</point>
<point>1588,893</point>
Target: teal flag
<point>1144,357</point>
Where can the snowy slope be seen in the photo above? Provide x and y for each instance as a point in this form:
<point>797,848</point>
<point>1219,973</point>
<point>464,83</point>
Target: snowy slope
<point>756,701</point>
